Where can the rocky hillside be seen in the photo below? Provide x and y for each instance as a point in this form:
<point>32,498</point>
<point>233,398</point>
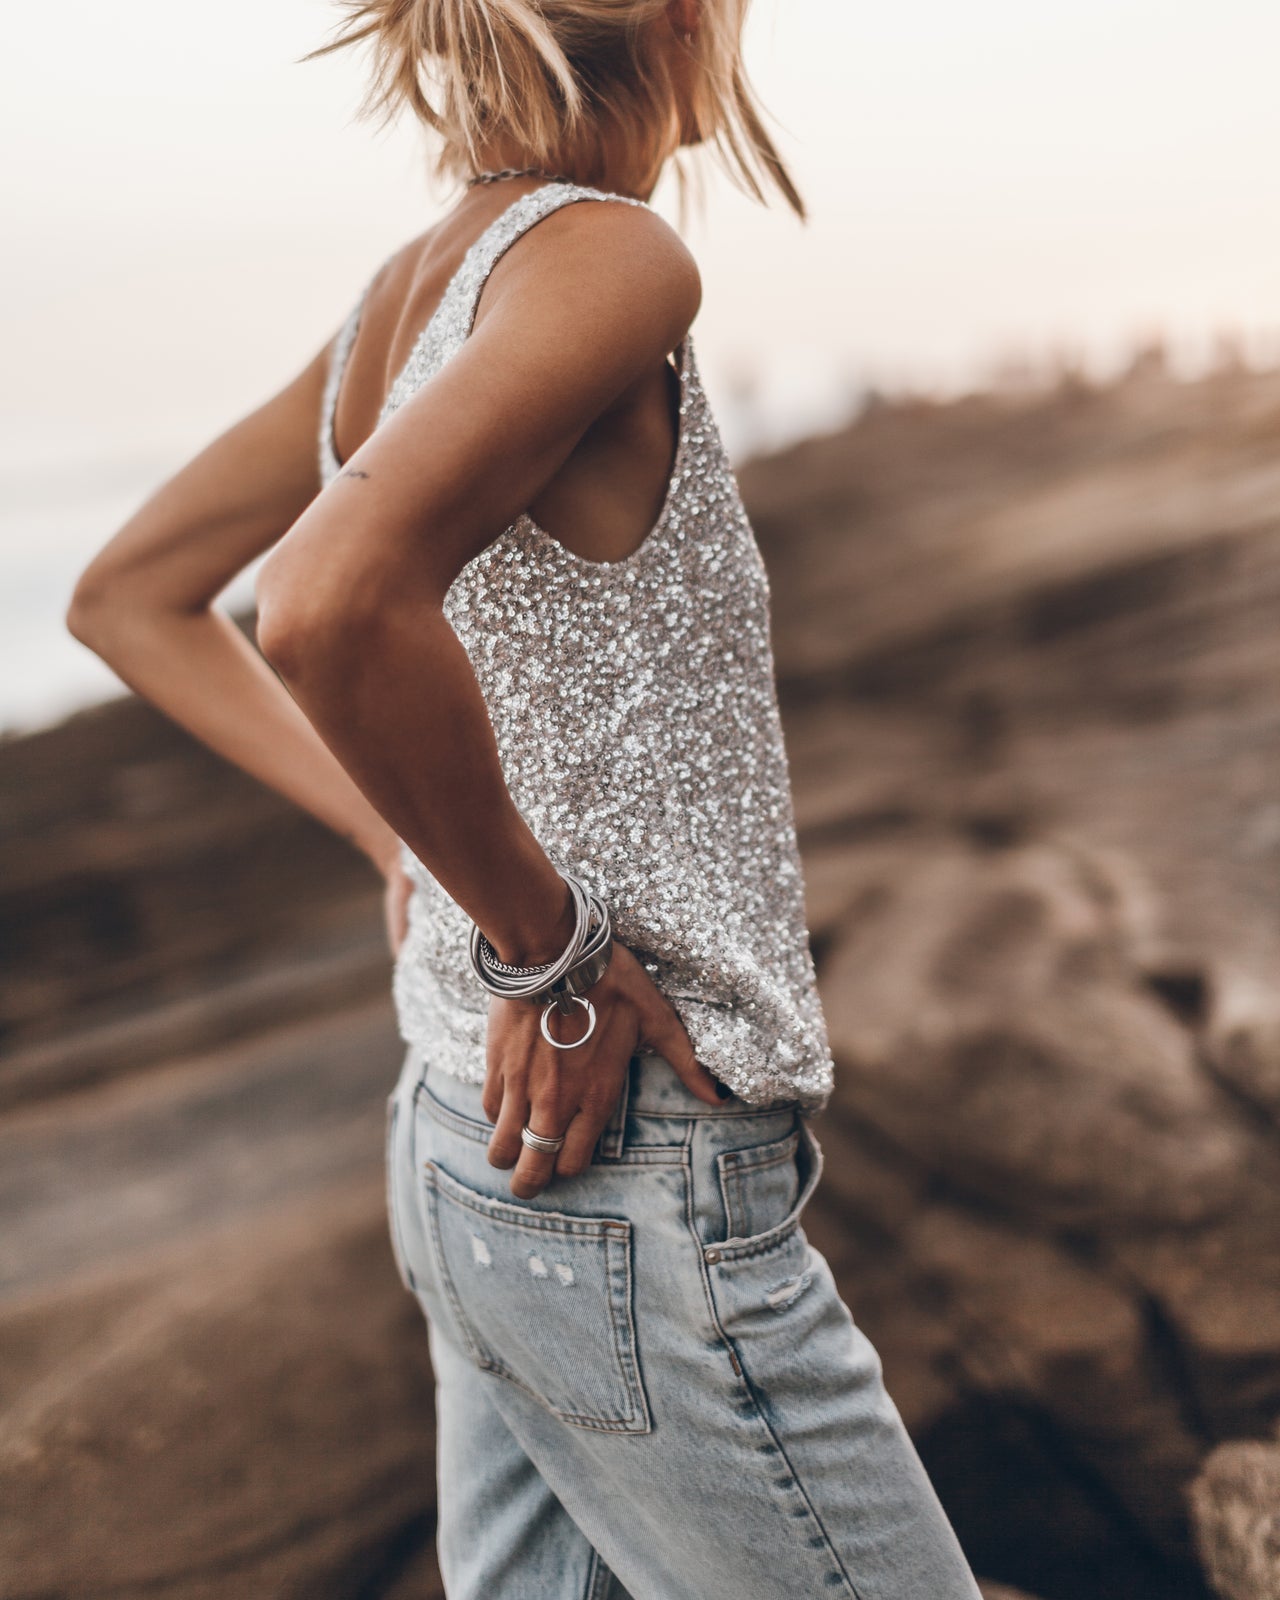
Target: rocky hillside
<point>1029,656</point>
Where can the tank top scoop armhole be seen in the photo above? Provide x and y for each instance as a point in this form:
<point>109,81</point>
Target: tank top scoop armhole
<point>340,350</point>
<point>511,226</point>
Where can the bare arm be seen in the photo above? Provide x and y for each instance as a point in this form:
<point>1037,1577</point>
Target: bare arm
<point>351,613</point>
<point>145,605</point>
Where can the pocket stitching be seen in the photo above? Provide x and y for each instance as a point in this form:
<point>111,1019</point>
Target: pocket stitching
<point>625,1352</point>
<point>742,1162</point>
<point>466,1127</point>
<point>782,1234</point>
<point>732,1165</point>
<point>616,1236</point>
<point>479,1355</point>
<point>520,1216</point>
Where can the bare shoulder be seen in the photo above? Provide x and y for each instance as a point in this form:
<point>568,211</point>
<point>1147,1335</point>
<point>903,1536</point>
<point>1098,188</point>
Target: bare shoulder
<point>608,260</point>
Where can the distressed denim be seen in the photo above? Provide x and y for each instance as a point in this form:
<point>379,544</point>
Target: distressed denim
<point>647,1384</point>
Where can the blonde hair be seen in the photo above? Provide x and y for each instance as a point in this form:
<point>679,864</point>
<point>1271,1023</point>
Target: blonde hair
<point>554,78</point>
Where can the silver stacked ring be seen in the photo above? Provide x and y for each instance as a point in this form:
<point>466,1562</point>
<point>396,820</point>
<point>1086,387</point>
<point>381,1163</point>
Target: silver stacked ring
<point>539,1141</point>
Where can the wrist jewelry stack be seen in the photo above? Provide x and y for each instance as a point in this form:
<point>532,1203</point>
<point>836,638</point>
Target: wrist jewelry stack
<point>561,984</point>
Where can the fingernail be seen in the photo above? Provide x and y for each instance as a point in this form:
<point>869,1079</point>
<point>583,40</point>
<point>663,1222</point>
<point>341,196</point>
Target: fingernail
<point>724,1091</point>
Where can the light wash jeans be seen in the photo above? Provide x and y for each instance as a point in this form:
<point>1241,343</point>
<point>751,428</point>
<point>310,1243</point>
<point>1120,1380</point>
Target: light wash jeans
<point>647,1383</point>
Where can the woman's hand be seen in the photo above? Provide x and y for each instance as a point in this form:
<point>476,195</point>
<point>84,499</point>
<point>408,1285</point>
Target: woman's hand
<point>574,1092</point>
<point>395,905</point>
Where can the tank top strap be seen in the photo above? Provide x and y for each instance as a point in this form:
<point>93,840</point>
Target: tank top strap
<point>450,324</point>
<point>508,227</point>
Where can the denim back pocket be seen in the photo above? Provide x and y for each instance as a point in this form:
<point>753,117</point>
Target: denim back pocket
<point>543,1299</point>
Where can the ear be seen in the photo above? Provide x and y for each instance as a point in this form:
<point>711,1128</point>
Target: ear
<point>684,17</point>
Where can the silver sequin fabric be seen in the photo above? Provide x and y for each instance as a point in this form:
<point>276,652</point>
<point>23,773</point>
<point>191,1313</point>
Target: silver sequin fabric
<point>636,717</point>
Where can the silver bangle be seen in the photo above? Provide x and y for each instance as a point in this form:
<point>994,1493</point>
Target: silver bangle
<point>557,984</point>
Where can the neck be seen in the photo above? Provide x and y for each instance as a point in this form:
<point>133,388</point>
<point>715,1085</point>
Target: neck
<point>611,167</point>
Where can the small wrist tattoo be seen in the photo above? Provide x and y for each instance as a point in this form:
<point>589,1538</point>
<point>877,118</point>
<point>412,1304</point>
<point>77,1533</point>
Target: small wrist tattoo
<point>352,472</point>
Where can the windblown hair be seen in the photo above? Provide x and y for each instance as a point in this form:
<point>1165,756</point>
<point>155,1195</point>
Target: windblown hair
<point>561,78</point>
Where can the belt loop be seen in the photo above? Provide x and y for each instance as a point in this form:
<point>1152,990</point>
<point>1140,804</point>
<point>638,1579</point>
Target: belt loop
<point>613,1139</point>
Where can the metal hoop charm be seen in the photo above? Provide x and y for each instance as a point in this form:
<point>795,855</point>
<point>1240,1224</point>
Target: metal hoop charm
<point>553,1005</point>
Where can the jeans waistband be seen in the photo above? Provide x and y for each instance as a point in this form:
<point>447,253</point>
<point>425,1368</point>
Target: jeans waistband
<point>650,1088</point>
<point>654,1089</point>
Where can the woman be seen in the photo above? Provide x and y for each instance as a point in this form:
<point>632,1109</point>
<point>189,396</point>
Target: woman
<point>563,751</point>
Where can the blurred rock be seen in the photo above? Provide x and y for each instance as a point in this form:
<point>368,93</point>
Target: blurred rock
<point>1243,1041</point>
<point>1028,664</point>
<point>257,1427</point>
<point>155,900</point>
<point>1030,672</point>
<point>989,1025</point>
<point>1236,1504</point>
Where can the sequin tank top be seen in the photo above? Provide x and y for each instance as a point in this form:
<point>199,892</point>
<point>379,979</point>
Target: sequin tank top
<point>636,716</point>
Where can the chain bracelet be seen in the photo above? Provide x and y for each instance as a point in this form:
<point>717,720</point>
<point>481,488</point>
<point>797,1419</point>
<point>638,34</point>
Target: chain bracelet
<point>579,965</point>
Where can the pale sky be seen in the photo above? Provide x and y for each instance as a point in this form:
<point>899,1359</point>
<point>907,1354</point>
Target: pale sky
<point>189,212</point>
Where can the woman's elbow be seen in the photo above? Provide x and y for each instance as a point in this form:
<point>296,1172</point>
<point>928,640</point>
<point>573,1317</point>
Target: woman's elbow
<point>305,624</point>
<point>283,624</point>
<point>80,613</point>
<point>98,611</point>
<point>120,597</point>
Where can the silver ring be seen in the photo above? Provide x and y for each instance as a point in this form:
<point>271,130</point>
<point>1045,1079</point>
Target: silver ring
<point>578,1000</point>
<point>539,1141</point>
